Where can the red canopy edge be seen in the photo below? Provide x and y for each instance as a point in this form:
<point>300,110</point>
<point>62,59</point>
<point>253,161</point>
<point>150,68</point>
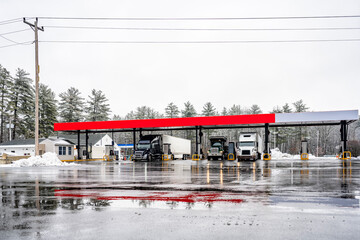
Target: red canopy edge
<point>168,122</point>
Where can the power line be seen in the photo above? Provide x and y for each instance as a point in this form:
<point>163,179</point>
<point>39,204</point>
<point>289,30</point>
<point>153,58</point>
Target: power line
<point>8,39</point>
<point>15,44</point>
<point>10,21</point>
<point>201,42</point>
<point>6,33</point>
<point>202,29</point>
<point>200,18</point>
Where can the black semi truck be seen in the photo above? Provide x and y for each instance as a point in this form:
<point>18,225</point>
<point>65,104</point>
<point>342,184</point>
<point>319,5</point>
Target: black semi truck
<point>156,147</point>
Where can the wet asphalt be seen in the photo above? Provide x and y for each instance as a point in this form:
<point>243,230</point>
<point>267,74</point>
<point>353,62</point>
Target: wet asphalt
<point>277,199</point>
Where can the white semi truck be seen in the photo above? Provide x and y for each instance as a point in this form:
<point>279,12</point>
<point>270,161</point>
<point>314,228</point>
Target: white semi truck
<point>250,146</point>
<point>153,147</point>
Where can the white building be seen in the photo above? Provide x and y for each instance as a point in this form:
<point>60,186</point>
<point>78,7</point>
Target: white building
<point>62,147</point>
<point>99,145</point>
<point>26,147</point>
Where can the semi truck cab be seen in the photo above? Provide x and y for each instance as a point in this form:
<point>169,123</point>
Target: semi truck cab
<point>148,148</point>
<point>249,146</point>
<point>218,149</point>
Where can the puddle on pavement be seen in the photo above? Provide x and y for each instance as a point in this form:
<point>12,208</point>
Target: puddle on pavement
<point>178,185</point>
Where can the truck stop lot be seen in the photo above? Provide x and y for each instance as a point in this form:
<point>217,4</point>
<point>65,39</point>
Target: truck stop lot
<point>183,199</point>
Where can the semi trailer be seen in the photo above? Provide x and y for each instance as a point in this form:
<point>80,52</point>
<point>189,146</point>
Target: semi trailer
<point>250,146</point>
<point>156,147</point>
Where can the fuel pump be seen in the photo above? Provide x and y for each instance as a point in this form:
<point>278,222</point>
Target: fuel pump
<point>304,150</point>
<point>109,153</point>
<point>231,151</point>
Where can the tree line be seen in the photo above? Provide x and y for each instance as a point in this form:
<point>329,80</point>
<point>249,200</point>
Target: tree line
<point>17,106</point>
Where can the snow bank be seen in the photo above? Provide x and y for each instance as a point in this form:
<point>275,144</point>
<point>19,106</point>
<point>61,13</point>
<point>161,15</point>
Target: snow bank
<point>48,159</point>
<point>277,154</point>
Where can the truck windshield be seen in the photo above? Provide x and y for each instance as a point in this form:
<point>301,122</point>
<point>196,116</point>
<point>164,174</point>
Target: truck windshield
<point>143,145</point>
<point>246,144</point>
<point>216,144</point>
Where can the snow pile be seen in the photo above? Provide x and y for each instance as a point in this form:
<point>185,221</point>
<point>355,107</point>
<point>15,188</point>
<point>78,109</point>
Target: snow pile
<point>10,154</point>
<point>48,159</point>
<point>277,154</point>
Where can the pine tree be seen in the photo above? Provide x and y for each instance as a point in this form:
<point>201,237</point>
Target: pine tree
<point>172,111</point>
<point>71,106</point>
<point>208,109</point>
<point>277,109</point>
<point>143,112</point>
<point>47,110</point>
<point>130,115</point>
<point>255,109</point>
<point>98,108</point>
<point>189,110</point>
<point>235,110</point>
<point>300,106</point>
<point>116,117</point>
<point>5,81</point>
<point>286,108</point>
<point>22,105</point>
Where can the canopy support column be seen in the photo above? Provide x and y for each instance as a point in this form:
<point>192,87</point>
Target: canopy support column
<point>200,142</point>
<point>78,145</point>
<point>266,150</point>
<point>343,135</point>
<point>87,144</point>
<point>196,140</point>
<point>134,139</point>
<point>266,155</point>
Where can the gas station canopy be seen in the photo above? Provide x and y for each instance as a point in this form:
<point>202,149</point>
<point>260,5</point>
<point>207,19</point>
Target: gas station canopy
<point>214,122</point>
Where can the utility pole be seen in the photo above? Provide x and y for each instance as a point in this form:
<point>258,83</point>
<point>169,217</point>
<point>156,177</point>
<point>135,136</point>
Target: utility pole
<point>37,70</point>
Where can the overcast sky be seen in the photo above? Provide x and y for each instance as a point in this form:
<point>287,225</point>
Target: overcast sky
<point>326,75</point>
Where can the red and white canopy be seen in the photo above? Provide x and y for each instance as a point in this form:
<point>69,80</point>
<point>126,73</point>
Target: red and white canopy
<point>303,118</point>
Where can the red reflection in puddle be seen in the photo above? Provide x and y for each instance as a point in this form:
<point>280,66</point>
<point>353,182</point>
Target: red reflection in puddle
<point>192,197</point>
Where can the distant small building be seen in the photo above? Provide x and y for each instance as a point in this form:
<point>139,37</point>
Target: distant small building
<point>98,145</point>
<point>26,147</point>
<point>62,147</point>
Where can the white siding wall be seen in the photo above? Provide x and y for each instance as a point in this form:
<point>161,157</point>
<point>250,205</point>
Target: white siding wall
<point>67,156</point>
<point>20,150</point>
<point>98,152</point>
<point>49,145</point>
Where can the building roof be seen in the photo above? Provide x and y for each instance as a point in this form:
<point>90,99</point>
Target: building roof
<point>60,141</point>
<point>93,138</point>
<point>30,141</point>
